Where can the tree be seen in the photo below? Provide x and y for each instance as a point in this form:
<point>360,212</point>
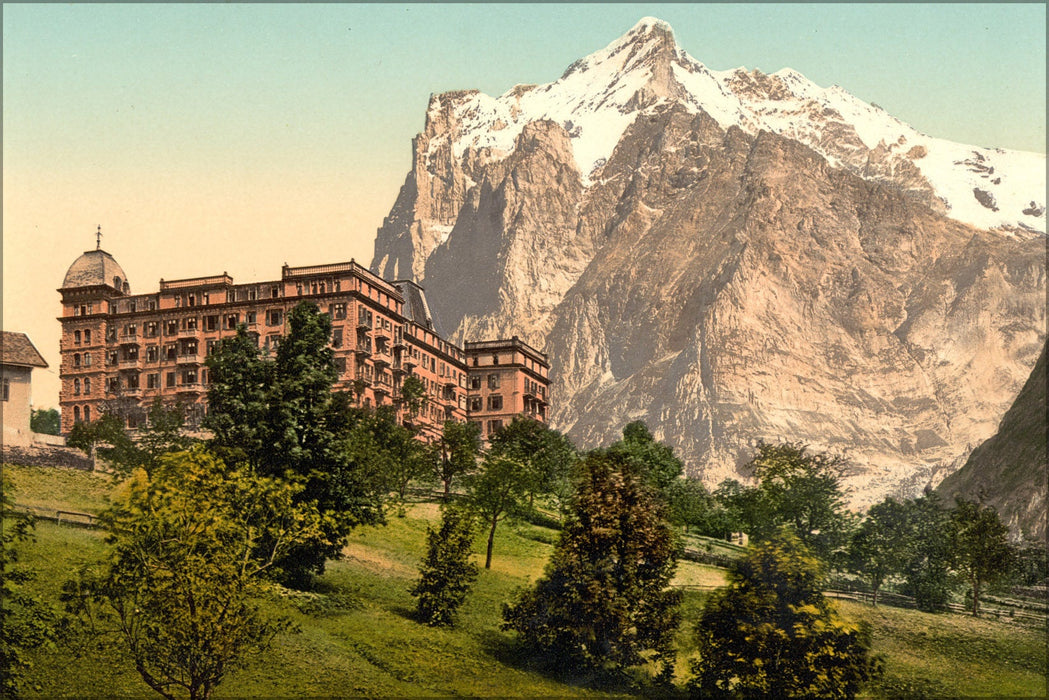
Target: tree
<point>446,574</point>
<point>882,544</point>
<point>547,457</point>
<point>162,432</point>
<point>803,490</point>
<point>499,490</point>
<point>459,445</point>
<point>189,544</point>
<point>927,573</point>
<point>281,417</point>
<point>657,462</point>
<point>413,395</point>
<point>26,622</point>
<point>690,505</point>
<point>605,597</point>
<point>238,398</point>
<point>45,421</point>
<point>401,458</point>
<point>982,547</point>
<point>771,633</point>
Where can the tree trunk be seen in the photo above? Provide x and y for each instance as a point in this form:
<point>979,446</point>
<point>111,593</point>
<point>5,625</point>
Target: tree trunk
<point>447,488</point>
<point>491,542</point>
<point>874,599</point>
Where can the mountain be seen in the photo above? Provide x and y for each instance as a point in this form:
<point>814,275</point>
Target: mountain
<point>732,256</point>
<point>1009,471</point>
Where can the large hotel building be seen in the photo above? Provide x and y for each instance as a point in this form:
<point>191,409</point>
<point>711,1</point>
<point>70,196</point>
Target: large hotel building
<point>120,351</point>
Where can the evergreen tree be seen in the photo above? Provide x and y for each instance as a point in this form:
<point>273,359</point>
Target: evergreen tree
<point>982,550</point>
<point>770,633</point>
<point>446,574</point>
<point>605,598</point>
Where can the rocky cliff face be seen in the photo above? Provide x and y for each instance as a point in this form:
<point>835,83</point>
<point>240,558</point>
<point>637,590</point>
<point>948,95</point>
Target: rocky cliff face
<point>729,257</point>
<point>1009,470</point>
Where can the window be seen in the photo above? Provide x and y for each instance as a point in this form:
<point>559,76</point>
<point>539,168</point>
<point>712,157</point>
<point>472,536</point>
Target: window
<point>493,381</point>
<point>336,338</point>
<point>340,365</point>
<point>76,337</point>
<point>338,311</point>
<point>231,322</point>
<point>112,385</point>
<point>87,337</point>
<point>131,353</point>
<point>87,385</point>
<point>112,359</point>
<point>212,344</point>
<point>495,359</point>
<point>76,409</point>
<point>151,305</point>
<point>273,341</point>
<point>189,323</point>
<point>149,329</point>
<point>131,330</point>
<point>171,328</point>
<point>476,404</point>
<point>152,381</point>
<point>189,377</point>
<point>206,298</point>
<point>170,351</point>
<point>132,381</point>
<point>76,359</point>
<point>475,360</point>
<point>211,323</point>
<point>87,359</point>
<point>170,379</point>
<point>189,346</point>
<point>251,318</point>
<point>111,334</point>
<point>274,317</point>
<point>494,426</point>
<point>191,300</point>
<point>132,307</point>
<point>152,353</point>
<point>475,383</point>
<point>495,402</point>
<point>87,413</point>
<point>275,292</point>
<point>76,387</point>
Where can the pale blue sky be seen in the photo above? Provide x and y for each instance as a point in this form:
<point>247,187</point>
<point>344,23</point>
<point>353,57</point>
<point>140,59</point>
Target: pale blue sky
<point>211,137</point>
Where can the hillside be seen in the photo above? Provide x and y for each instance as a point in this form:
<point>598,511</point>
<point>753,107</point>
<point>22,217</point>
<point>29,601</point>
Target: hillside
<point>1009,470</point>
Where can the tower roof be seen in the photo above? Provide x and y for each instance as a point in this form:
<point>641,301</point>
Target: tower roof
<point>96,267</point>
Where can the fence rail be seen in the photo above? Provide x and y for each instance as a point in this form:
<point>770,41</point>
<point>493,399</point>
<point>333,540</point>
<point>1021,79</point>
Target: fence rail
<point>71,518</point>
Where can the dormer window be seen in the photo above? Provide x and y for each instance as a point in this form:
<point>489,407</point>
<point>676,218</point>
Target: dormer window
<point>118,283</point>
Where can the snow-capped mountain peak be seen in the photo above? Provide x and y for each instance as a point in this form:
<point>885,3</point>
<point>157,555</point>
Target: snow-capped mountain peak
<point>599,96</point>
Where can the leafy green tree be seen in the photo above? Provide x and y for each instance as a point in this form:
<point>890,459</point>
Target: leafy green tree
<point>804,491</point>
<point>26,622</point>
<point>547,456</point>
<point>770,632</point>
<point>656,461</point>
<point>46,421</point>
<point>189,544</point>
<point>280,416</point>
<point>605,597</point>
<point>162,432</point>
<point>927,574</point>
<point>981,546</point>
<point>400,457</point>
<point>500,489</point>
<point>691,505</point>
<point>446,574</point>
<point>413,395</point>
<point>458,449</point>
<point>238,398</point>
<point>881,546</point>
<point>746,509</point>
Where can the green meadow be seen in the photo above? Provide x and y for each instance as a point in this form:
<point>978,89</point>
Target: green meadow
<point>355,635</point>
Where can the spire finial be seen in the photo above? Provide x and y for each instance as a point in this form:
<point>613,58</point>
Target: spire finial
<point>98,238</point>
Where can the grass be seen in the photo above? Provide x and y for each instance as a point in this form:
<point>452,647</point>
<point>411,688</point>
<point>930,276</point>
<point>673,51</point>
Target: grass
<point>358,637</point>
<point>59,488</point>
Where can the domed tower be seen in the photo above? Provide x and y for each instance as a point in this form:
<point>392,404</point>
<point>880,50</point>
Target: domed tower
<point>90,290</point>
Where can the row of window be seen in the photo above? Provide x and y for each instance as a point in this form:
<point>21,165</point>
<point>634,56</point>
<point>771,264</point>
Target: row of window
<point>476,404</point>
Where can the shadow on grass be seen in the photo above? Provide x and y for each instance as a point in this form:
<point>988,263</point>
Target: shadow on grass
<point>510,652</point>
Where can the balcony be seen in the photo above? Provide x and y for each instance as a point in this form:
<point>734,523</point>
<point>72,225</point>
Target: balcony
<point>188,359</point>
<point>381,333</point>
<point>129,362</point>
<point>188,332</point>
<point>364,324</point>
<point>363,351</point>
<point>195,387</point>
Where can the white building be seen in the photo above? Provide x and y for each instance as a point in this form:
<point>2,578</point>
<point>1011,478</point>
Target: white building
<point>18,357</point>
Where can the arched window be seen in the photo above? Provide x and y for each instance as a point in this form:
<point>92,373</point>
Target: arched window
<point>87,385</point>
<point>116,283</point>
<point>87,414</point>
<point>76,387</point>
<point>76,337</point>
<point>87,337</point>
<point>76,414</point>
<point>76,359</point>
<point>87,359</point>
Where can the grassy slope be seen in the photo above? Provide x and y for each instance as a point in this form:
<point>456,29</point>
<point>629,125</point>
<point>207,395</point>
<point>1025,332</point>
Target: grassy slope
<point>359,638</point>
